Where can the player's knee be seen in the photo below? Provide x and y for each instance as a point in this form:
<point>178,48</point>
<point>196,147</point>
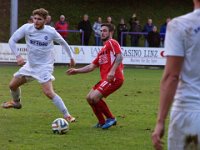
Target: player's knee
<point>88,98</point>
<point>12,87</point>
<point>49,94</point>
<point>95,100</point>
<point>92,99</point>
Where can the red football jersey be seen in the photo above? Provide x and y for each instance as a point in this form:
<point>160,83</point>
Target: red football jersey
<point>106,57</point>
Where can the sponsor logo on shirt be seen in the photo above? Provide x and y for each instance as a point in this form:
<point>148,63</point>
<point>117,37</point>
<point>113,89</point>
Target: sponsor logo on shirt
<point>46,37</point>
<point>38,43</point>
<point>103,59</point>
<point>197,30</point>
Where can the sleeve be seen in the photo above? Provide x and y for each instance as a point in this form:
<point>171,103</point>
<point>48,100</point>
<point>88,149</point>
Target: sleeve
<point>58,38</point>
<point>96,61</point>
<point>174,42</point>
<point>94,28</point>
<point>17,35</point>
<point>115,47</point>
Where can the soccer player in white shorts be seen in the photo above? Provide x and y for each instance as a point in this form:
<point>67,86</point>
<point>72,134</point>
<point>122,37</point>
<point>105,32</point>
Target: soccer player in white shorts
<point>40,59</point>
<point>180,84</point>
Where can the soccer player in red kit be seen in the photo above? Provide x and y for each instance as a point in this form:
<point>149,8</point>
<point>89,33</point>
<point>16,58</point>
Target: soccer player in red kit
<point>109,60</point>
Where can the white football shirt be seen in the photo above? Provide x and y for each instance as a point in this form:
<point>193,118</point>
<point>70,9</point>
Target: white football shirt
<point>183,39</point>
<point>39,44</point>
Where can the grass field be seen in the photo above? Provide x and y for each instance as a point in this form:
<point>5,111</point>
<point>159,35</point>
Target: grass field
<point>135,106</point>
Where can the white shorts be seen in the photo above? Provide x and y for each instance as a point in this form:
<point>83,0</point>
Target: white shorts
<point>184,131</point>
<point>41,73</point>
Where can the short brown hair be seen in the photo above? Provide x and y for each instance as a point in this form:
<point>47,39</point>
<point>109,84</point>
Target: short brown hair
<point>41,12</point>
<point>109,25</point>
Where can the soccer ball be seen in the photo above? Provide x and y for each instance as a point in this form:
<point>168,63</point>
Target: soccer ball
<point>60,126</point>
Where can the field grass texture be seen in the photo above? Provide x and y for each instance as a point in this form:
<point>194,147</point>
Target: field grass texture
<point>135,106</point>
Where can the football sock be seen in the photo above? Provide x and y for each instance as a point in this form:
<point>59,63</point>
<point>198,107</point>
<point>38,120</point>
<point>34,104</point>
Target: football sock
<point>104,109</point>
<point>16,94</point>
<point>98,114</point>
<point>60,105</point>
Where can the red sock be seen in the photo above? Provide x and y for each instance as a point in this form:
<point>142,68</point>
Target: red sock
<point>104,109</point>
<point>98,113</point>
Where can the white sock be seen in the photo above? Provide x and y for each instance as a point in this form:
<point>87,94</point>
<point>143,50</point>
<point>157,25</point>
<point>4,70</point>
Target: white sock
<point>57,100</point>
<point>16,94</point>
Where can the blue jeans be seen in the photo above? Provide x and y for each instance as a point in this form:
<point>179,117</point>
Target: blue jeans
<point>98,41</point>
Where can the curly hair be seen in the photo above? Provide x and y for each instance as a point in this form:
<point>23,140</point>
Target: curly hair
<point>41,12</point>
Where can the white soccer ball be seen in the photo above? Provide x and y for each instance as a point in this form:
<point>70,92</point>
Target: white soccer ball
<point>60,126</point>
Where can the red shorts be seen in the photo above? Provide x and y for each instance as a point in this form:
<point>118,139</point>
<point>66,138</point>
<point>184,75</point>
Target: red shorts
<point>106,88</point>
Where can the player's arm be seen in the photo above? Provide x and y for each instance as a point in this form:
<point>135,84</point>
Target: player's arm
<point>168,87</point>
<point>58,38</point>
<point>84,69</point>
<point>17,35</point>
<point>115,47</point>
<point>117,62</point>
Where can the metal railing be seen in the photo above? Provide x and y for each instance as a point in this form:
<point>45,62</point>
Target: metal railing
<point>75,31</point>
<point>136,33</point>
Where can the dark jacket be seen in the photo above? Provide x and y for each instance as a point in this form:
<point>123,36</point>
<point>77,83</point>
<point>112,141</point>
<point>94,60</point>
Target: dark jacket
<point>148,28</point>
<point>153,39</point>
<point>86,27</point>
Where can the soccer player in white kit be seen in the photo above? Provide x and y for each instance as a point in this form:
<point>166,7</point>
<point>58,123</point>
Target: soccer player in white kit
<point>40,59</point>
<point>180,84</point>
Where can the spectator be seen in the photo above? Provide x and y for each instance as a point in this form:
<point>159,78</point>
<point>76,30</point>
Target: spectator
<point>148,28</point>
<point>97,33</point>
<point>132,19</point>
<point>30,19</point>
<point>62,26</point>
<point>153,38</point>
<point>122,27</point>
<point>163,31</point>
<point>85,26</point>
<point>109,20</point>
<point>49,21</point>
<point>135,27</point>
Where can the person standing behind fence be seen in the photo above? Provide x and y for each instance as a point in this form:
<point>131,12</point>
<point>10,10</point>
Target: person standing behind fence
<point>153,38</point>
<point>86,27</point>
<point>62,26</point>
<point>147,28</point>
<point>49,21</point>
<point>163,31</point>
<point>30,19</point>
<point>135,27</point>
<point>109,20</point>
<point>97,33</point>
<point>180,84</point>
<point>122,27</point>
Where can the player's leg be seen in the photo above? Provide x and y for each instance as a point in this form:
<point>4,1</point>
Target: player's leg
<point>95,98</point>
<point>96,110</point>
<point>106,88</point>
<point>47,88</point>
<point>15,91</point>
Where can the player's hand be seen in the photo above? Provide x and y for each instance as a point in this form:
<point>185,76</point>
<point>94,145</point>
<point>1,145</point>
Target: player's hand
<point>110,76</point>
<point>20,60</point>
<point>72,63</point>
<point>157,136</point>
<point>71,71</point>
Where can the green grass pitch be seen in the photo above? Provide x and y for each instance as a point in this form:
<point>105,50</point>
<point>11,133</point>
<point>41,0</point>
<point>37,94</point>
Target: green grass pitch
<point>134,104</point>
